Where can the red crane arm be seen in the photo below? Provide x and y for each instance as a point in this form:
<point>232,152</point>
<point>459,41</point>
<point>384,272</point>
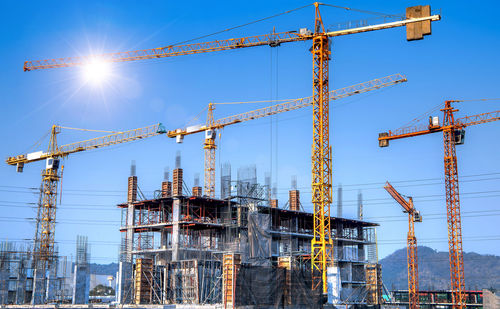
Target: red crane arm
<point>398,197</point>
<point>463,122</point>
<point>478,119</point>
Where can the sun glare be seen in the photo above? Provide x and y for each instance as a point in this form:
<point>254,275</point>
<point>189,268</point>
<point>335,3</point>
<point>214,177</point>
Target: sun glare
<point>96,72</point>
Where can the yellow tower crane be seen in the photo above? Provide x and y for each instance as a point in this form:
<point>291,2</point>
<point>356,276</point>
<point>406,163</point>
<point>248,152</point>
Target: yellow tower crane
<point>43,249</point>
<point>411,243</point>
<point>418,24</point>
<point>212,125</point>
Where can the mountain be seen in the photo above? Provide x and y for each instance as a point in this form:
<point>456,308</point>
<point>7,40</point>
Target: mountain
<point>481,271</point>
<point>104,269</point>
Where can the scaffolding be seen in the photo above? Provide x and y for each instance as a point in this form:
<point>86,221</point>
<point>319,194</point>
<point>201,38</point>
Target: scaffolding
<point>17,276</point>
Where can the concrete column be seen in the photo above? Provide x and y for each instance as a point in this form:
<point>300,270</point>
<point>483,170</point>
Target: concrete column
<point>176,213</point>
<point>21,286</point>
<point>294,200</point>
<point>334,284</point>
<point>361,247</point>
<point>177,182</point>
<point>124,283</point>
<point>4,286</point>
<point>166,189</point>
<point>50,295</point>
<point>295,229</point>
<point>38,287</point>
<point>131,198</point>
<point>130,232</point>
<point>197,191</point>
<point>349,271</point>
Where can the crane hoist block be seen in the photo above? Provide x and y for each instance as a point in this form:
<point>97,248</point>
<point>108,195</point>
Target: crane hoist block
<point>416,31</point>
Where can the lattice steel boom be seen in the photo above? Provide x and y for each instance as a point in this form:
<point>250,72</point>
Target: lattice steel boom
<point>212,125</point>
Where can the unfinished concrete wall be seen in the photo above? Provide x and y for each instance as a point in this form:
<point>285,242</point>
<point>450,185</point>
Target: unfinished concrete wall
<point>225,181</point>
<point>124,283</point>
<point>81,284</point>
<point>38,287</point>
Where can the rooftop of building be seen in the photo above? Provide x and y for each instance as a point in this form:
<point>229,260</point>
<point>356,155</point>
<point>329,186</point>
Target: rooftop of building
<point>214,202</point>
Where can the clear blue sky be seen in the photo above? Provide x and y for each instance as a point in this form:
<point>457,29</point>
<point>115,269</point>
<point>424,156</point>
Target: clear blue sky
<point>458,61</point>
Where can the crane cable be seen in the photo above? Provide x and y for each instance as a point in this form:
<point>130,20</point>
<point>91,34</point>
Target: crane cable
<point>360,11</point>
<point>252,102</point>
<point>476,100</point>
<point>89,130</point>
<point>196,117</point>
<point>421,116</point>
<point>38,142</point>
<point>435,108</point>
<point>242,25</point>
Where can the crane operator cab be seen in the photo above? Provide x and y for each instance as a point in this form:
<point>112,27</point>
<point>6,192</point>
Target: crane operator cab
<point>210,134</point>
<point>459,137</point>
<point>418,217</point>
<point>52,163</point>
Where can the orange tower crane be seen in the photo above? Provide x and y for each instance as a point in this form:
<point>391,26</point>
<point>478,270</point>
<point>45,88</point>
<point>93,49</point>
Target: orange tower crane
<point>411,243</point>
<point>453,134</point>
<point>418,23</point>
<point>51,176</point>
<point>212,125</point>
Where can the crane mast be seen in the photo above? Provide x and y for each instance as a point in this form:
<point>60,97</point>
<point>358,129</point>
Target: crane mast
<point>43,251</point>
<point>210,147</point>
<point>453,135</point>
<point>321,163</point>
<point>412,260</point>
<point>453,207</point>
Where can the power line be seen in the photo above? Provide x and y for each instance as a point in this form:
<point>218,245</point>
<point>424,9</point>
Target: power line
<point>348,203</point>
<point>242,25</point>
<point>491,213</point>
<point>357,185</point>
<point>442,214</point>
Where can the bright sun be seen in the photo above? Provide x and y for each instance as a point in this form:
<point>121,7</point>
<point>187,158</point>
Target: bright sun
<point>96,72</point>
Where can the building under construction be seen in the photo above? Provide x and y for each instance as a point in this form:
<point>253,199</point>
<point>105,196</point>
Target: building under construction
<point>237,250</point>
<point>65,282</point>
